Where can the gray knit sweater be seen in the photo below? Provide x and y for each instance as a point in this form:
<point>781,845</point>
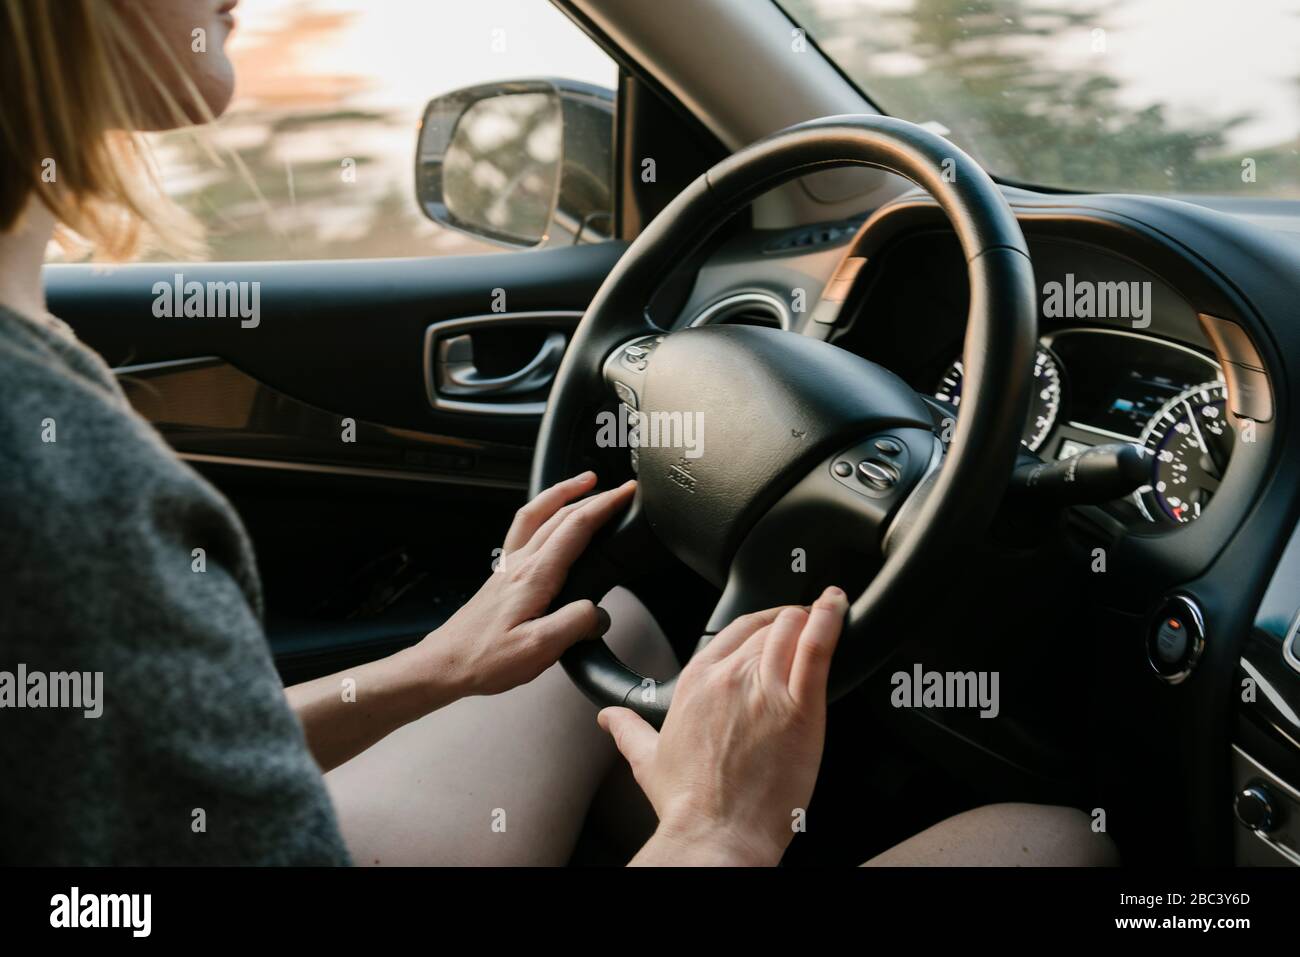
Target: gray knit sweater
<point>195,756</point>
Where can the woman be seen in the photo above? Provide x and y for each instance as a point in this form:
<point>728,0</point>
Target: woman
<point>198,754</point>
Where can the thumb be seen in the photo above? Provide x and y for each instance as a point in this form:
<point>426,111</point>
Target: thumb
<point>635,739</point>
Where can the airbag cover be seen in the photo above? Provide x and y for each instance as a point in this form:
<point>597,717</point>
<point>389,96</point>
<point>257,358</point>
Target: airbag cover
<point>733,416</point>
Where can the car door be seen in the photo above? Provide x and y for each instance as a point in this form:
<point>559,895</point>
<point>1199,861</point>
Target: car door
<point>364,384</point>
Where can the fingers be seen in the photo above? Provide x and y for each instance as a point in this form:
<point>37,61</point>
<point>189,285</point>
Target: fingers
<point>531,517</point>
<point>561,545</point>
<point>735,635</point>
<point>635,739</point>
<point>574,622</point>
<point>555,521</point>
<point>779,647</point>
<point>541,536</point>
<point>812,658</point>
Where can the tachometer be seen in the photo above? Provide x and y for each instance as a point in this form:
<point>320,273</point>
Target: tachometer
<point>1190,442</point>
<point>1044,403</point>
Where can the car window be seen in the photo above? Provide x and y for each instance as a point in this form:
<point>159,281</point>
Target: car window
<point>1153,96</point>
<point>327,107</point>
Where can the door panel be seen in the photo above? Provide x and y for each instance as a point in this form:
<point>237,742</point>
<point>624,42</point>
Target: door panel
<point>347,337</point>
<point>374,513</point>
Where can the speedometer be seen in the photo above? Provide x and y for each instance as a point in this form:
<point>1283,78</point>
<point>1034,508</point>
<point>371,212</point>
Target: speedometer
<point>1190,442</point>
<point>1044,403</point>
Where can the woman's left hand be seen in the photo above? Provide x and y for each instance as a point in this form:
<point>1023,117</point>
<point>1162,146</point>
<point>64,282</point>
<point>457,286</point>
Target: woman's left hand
<point>503,636</point>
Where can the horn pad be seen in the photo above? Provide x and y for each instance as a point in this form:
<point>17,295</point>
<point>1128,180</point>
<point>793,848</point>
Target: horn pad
<point>732,416</point>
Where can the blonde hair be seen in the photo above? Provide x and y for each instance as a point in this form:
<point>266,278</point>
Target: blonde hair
<point>76,92</point>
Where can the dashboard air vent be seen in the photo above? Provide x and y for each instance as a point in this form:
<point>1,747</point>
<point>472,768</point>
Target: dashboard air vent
<point>746,309</point>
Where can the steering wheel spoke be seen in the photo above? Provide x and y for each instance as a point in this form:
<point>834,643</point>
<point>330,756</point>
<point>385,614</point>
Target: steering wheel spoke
<point>833,527</point>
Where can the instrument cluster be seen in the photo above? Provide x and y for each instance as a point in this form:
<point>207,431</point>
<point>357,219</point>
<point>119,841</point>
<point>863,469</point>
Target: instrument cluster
<point>1099,386</point>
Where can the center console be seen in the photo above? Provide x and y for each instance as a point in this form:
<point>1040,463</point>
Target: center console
<point>1266,752</point>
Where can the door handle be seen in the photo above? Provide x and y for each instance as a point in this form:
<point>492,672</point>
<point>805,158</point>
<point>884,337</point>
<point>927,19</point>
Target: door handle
<point>454,383</point>
<point>459,376</point>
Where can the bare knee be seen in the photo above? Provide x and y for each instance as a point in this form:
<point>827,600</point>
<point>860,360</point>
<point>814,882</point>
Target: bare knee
<point>1051,835</point>
<point>1007,835</point>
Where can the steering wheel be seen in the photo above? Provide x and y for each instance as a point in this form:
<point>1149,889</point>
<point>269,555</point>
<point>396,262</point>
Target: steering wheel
<point>810,465</point>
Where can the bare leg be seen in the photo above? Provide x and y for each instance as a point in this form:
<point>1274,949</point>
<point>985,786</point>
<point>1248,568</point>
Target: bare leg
<point>1005,835</point>
<point>492,781</point>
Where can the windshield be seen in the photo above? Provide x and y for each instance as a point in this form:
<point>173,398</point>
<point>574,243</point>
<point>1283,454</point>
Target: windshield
<point>1159,96</point>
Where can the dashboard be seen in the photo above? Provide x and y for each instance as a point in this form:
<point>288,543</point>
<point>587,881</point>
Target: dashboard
<point>1197,373</point>
<point>1098,597</point>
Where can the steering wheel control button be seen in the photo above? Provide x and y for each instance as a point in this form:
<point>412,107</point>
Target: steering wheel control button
<point>1253,806</point>
<point>1175,639</point>
<point>873,472</point>
<point>877,474</point>
<point>636,355</point>
<point>626,394</point>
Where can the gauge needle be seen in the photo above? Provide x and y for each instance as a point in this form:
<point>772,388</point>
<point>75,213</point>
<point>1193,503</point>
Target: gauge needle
<point>1212,452</point>
<point>1215,469</point>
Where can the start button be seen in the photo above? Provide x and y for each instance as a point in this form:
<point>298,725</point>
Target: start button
<point>1171,641</point>
<point>1175,638</point>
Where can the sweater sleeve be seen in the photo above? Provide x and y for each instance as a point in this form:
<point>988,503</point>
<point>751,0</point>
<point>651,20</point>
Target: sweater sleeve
<point>121,566</point>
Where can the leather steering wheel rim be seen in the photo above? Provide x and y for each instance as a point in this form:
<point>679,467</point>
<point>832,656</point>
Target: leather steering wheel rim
<point>999,347</point>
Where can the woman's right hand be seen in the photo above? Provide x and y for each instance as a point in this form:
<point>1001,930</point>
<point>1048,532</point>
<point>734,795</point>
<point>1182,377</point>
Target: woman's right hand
<point>735,764</point>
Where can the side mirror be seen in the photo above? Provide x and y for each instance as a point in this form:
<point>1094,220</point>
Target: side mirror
<point>524,163</point>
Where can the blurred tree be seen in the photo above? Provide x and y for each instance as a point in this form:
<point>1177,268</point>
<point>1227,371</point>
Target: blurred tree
<point>985,70</point>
